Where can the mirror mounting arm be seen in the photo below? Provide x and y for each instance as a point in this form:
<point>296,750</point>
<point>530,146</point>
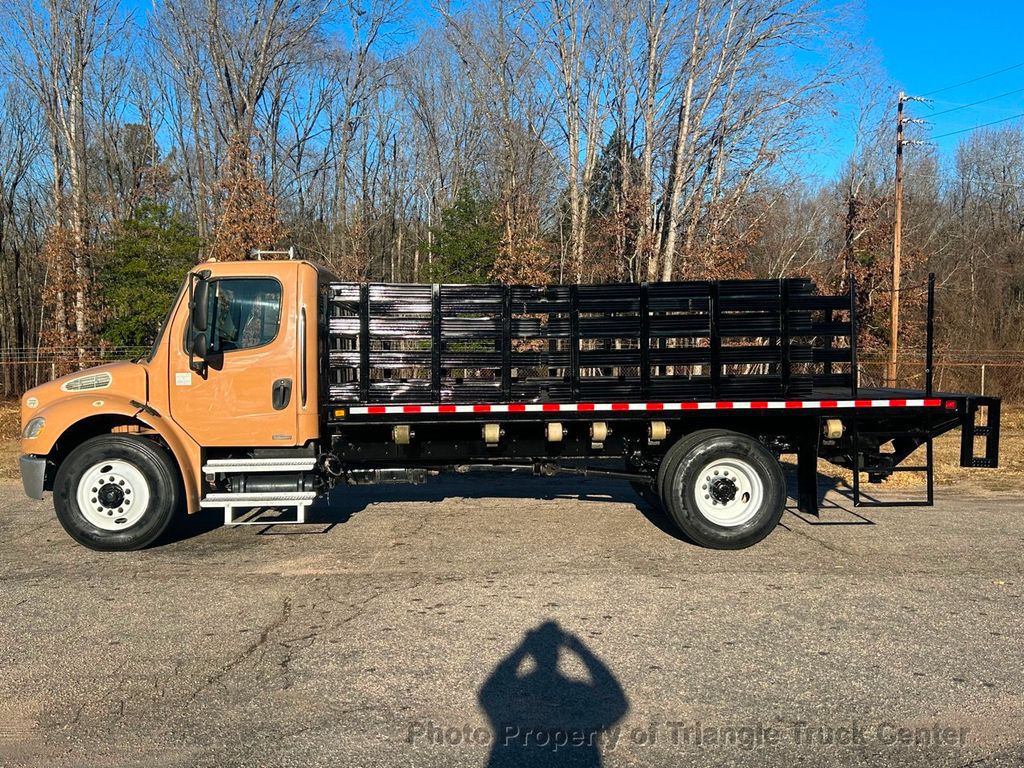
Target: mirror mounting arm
<point>197,365</point>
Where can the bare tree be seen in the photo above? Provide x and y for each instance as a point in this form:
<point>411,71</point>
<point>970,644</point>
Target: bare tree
<point>577,37</point>
<point>223,58</point>
<point>499,46</point>
<point>735,110</point>
<point>21,136</point>
<point>59,47</point>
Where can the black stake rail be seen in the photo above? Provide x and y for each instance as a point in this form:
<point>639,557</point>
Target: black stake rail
<point>405,343</point>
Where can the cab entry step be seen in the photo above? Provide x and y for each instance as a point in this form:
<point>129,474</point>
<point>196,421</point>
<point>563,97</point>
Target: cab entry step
<point>231,502</point>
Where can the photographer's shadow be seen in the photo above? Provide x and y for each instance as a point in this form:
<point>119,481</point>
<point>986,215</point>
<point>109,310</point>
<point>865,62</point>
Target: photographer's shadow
<point>539,716</point>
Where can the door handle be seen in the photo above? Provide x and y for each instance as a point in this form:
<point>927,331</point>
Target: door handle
<point>281,394</point>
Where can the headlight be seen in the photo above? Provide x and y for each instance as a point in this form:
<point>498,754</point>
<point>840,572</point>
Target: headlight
<point>34,427</point>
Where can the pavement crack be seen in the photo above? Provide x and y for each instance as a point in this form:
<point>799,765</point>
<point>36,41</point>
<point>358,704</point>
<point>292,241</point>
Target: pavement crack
<point>289,648</point>
<point>247,652</point>
<point>360,608</point>
<point>830,547</point>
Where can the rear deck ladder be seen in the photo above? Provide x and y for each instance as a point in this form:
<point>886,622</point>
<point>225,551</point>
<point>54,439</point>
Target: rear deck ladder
<point>860,499</point>
<point>923,430</point>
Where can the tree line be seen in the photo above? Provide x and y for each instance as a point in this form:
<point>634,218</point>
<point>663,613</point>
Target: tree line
<point>536,141</point>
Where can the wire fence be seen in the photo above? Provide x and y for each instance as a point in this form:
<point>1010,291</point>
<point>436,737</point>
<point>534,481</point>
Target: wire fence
<point>998,374</point>
<point>22,368</point>
<point>1000,377</point>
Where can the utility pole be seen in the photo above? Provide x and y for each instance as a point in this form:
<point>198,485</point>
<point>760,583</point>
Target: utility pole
<point>897,247</point>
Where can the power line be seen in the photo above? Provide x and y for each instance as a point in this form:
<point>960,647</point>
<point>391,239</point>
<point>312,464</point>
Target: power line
<point>957,178</point>
<point>975,79</point>
<point>976,103</point>
<point>983,125</point>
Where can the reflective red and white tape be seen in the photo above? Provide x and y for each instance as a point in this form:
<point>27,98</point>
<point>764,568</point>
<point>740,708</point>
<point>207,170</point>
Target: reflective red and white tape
<point>739,405</point>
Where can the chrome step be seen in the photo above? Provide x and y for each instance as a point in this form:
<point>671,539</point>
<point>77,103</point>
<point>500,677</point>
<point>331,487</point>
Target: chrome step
<point>289,464</point>
<point>268,500</point>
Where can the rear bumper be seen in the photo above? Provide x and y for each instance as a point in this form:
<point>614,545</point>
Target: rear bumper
<point>33,475</point>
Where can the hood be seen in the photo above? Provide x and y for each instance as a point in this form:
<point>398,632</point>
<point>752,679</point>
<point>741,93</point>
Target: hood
<point>122,379</point>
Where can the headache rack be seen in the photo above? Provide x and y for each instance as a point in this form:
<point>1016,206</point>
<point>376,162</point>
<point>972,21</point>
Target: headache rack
<point>415,343</point>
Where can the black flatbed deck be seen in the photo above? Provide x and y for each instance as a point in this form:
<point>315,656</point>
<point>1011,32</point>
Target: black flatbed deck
<point>711,353</point>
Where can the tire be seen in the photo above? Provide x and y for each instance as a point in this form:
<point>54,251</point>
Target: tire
<point>676,453</point>
<point>99,482</point>
<point>724,490</point>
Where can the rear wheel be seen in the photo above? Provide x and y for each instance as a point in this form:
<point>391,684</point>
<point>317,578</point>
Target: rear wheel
<point>675,454</point>
<point>116,492</point>
<point>723,489</point>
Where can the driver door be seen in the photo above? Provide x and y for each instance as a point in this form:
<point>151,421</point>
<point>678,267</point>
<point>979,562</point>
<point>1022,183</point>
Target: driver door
<point>246,396</point>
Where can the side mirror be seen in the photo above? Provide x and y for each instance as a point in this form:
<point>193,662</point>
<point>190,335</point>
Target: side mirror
<point>199,321</point>
<point>200,304</point>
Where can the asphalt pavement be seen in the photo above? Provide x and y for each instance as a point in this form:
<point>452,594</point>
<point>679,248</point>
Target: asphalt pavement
<point>517,621</point>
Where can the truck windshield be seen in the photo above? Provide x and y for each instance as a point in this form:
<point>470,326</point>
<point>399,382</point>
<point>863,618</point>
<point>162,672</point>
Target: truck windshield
<point>163,324</point>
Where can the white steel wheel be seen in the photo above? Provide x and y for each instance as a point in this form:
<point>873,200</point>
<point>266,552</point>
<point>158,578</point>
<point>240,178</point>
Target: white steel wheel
<point>722,489</point>
<point>730,492</point>
<point>117,492</point>
<point>113,495</point>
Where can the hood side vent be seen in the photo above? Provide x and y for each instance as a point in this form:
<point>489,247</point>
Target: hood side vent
<point>88,382</point>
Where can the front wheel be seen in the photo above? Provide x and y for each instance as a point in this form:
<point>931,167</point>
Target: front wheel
<point>116,492</point>
<point>724,491</point>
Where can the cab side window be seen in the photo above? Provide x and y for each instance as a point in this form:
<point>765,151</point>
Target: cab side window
<point>246,312</point>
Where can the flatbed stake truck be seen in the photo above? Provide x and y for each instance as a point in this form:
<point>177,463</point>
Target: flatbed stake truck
<point>273,381</point>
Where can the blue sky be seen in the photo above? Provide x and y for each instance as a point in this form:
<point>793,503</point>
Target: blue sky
<point>927,46</point>
<point>921,47</point>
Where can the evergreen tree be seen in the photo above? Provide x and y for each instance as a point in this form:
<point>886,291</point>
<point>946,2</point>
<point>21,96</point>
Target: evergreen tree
<point>466,243</point>
<point>141,267</point>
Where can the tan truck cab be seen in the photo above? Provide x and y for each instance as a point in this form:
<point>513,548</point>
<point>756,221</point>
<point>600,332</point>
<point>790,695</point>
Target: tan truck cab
<point>141,426</point>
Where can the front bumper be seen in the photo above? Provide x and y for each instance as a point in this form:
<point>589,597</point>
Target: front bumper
<point>33,475</point>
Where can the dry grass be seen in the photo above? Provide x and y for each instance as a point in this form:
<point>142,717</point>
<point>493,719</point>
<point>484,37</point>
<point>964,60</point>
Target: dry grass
<point>10,427</point>
<point>947,456</point>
